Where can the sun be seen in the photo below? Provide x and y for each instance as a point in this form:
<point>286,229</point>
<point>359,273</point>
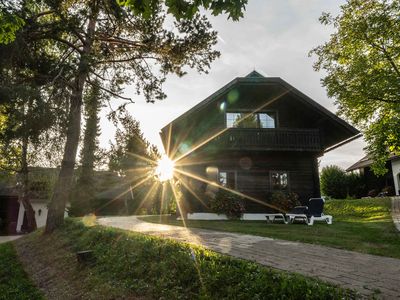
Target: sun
<point>165,168</point>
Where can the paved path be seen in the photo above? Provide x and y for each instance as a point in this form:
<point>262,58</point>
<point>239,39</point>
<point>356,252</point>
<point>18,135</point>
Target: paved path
<point>8,238</point>
<point>363,272</point>
<point>396,212</point>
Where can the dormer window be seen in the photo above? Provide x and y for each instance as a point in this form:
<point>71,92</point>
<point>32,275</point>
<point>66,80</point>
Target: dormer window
<point>251,120</point>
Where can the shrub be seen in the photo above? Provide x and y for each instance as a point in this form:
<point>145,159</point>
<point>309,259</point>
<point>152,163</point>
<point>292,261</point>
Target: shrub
<point>355,185</point>
<point>227,203</point>
<point>336,183</point>
<point>285,201</point>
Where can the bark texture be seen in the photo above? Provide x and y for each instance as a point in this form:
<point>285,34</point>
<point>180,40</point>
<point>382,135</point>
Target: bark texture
<point>62,189</point>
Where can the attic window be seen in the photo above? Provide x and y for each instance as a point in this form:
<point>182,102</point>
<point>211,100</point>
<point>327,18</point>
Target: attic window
<point>252,120</point>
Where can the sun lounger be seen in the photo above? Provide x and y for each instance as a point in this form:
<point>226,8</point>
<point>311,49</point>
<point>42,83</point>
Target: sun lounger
<point>297,213</point>
<point>271,218</point>
<point>310,213</point>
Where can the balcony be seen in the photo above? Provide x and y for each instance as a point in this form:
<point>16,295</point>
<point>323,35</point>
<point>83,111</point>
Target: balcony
<point>270,139</point>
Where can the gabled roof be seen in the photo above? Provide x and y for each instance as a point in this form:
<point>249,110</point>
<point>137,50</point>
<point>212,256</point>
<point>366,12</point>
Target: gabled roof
<point>340,131</point>
<point>256,77</point>
<point>254,74</point>
<point>366,161</point>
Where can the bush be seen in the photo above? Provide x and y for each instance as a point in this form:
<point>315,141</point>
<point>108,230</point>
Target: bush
<point>334,182</point>
<point>284,201</point>
<point>227,203</point>
<point>355,185</point>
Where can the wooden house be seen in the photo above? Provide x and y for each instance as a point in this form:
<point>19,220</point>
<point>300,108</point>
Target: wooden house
<point>255,135</point>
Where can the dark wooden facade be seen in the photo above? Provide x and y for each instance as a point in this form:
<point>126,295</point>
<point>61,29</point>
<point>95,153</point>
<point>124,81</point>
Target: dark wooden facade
<point>200,141</point>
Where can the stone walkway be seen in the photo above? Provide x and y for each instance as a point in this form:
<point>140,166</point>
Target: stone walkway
<point>363,272</point>
<point>8,238</point>
<point>396,212</point>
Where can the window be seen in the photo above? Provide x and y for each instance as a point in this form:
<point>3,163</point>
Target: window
<point>279,180</point>
<point>252,120</point>
<point>227,179</point>
<point>267,120</point>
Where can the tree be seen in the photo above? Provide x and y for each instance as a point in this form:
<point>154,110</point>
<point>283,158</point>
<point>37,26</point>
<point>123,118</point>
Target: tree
<point>334,182</point>
<point>91,154</point>
<point>362,62</point>
<point>120,45</point>
<point>26,115</point>
<point>132,157</point>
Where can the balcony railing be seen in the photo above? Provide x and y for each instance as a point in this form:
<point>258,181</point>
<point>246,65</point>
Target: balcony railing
<point>270,139</point>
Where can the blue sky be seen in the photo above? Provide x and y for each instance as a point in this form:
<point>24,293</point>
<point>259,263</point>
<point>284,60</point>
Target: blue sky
<point>274,37</point>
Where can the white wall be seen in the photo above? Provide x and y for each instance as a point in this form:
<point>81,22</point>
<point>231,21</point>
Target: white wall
<point>396,172</point>
<point>40,209</point>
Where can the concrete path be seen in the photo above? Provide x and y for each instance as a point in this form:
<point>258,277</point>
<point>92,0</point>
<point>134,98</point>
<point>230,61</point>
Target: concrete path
<point>8,238</point>
<point>363,272</point>
<point>396,212</point>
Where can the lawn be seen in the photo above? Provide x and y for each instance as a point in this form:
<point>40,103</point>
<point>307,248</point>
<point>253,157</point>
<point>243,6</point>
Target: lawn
<point>14,282</point>
<point>363,225</point>
<point>129,265</point>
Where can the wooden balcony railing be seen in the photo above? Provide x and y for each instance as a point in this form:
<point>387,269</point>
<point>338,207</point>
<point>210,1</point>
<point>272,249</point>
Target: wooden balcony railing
<point>270,139</point>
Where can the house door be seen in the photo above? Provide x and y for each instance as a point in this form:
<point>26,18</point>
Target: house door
<point>9,207</point>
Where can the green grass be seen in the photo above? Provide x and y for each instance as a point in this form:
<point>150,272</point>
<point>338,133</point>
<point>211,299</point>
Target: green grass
<point>363,225</point>
<point>14,282</point>
<point>141,266</point>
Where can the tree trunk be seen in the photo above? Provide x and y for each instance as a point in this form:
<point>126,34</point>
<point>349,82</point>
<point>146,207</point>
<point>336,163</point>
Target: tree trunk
<point>62,189</point>
<point>24,196</point>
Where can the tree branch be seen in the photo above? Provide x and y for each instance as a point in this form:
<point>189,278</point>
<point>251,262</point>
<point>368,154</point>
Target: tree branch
<point>125,59</point>
<point>385,53</point>
<point>109,91</point>
<point>118,40</point>
<point>68,44</point>
<point>44,13</point>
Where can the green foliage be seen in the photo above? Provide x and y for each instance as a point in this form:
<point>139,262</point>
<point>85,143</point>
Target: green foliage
<point>14,282</point>
<point>182,9</point>
<point>91,155</point>
<point>227,203</point>
<point>363,71</point>
<point>162,268</point>
<point>133,158</point>
<point>9,25</point>
<point>336,183</point>
<point>101,39</point>
<point>285,201</point>
<point>130,151</point>
<point>356,187</point>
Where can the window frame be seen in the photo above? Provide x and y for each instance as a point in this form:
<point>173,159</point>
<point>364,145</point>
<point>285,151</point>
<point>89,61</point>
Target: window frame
<point>227,171</point>
<point>288,180</point>
<point>275,112</point>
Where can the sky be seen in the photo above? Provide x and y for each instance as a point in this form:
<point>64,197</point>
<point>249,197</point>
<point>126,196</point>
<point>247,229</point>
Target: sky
<point>274,38</point>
